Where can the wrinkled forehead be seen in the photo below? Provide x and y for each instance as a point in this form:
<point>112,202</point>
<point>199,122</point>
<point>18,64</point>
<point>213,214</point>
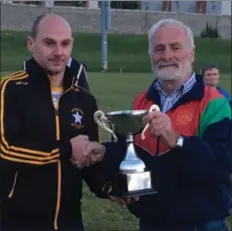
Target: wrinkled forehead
<point>170,34</point>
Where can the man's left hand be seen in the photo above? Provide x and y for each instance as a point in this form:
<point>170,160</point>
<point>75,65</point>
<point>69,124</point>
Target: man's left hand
<point>123,200</point>
<point>160,125</point>
<point>96,152</point>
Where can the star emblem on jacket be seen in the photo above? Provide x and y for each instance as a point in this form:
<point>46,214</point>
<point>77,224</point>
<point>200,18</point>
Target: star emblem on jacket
<point>77,117</point>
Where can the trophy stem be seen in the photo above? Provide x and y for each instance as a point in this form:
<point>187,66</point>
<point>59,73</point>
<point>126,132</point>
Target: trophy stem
<point>129,138</point>
<point>131,163</point>
<point>131,154</point>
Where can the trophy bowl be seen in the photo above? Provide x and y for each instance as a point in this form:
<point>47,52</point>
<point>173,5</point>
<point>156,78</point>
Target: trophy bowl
<point>133,178</point>
<point>127,121</point>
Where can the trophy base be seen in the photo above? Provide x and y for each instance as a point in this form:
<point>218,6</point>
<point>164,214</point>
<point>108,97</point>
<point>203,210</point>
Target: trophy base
<point>138,193</point>
<point>132,184</point>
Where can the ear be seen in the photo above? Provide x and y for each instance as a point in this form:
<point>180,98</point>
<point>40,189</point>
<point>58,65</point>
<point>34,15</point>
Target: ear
<point>30,44</point>
<point>192,55</point>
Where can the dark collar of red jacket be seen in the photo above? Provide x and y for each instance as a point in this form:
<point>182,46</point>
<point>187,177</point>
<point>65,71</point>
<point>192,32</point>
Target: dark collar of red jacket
<point>196,93</point>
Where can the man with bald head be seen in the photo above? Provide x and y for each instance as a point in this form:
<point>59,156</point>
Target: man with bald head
<point>187,146</point>
<point>48,141</point>
<point>76,68</point>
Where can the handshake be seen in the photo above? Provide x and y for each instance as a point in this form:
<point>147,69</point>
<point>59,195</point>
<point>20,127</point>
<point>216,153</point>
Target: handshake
<point>85,152</point>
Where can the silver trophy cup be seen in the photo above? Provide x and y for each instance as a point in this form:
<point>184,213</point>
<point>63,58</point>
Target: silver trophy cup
<point>133,179</point>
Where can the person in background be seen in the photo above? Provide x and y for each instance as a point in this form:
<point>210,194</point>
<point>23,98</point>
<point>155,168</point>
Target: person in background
<point>211,76</point>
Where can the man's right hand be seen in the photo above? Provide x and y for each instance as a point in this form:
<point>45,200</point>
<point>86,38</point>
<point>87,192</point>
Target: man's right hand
<point>85,152</point>
<point>79,150</point>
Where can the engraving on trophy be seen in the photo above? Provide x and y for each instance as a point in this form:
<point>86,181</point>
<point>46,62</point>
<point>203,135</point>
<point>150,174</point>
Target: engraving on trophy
<point>139,181</point>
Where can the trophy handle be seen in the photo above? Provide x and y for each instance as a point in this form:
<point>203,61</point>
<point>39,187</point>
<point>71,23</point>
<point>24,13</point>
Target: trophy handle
<point>101,120</point>
<point>152,108</point>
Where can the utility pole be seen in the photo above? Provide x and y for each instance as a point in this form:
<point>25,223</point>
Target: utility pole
<point>105,26</point>
<point>49,4</point>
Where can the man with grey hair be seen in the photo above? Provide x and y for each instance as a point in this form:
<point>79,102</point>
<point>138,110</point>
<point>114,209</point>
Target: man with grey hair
<point>188,142</point>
